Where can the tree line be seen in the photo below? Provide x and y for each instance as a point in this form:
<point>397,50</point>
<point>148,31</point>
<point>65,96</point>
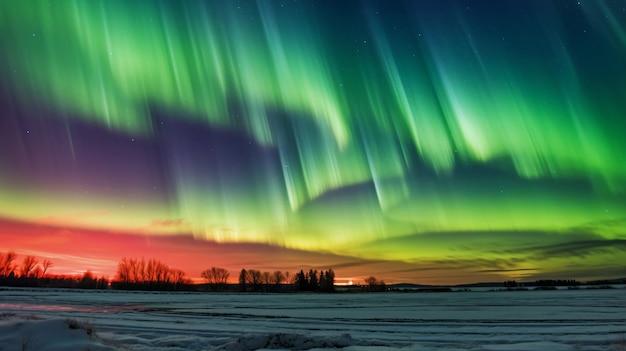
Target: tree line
<point>542,283</point>
<point>141,274</point>
<point>311,281</point>
<point>30,267</point>
<point>152,274</point>
<point>252,280</point>
<point>32,273</point>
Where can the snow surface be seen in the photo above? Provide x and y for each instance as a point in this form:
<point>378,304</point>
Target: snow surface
<point>39,319</point>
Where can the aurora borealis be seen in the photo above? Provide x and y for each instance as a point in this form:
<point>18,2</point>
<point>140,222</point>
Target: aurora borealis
<point>422,141</point>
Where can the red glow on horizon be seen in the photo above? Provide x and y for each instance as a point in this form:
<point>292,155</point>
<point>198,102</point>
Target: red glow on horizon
<point>76,250</point>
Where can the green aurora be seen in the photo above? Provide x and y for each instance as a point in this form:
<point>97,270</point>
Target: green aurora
<point>482,134</point>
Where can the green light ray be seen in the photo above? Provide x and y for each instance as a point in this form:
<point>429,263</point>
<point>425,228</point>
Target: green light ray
<point>396,103</point>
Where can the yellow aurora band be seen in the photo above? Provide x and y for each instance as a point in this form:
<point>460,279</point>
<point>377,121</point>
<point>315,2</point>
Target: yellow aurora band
<point>400,131</point>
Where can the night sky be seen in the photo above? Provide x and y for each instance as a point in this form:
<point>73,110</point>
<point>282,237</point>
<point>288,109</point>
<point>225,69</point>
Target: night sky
<point>418,141</point>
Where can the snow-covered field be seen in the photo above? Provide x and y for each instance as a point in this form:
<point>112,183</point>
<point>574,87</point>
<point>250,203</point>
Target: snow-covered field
<point>39,319</point>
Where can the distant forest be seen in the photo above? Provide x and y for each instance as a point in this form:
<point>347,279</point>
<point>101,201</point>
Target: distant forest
<point>154,275</point>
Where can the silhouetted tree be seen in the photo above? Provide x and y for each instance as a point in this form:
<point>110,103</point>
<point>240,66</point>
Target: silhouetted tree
<point>216,277</point>
<point>278,278</point>
<point>148,275</point>
<point>243,279</point>
<point>327,281</point>
<point>510,284</point>
<point>301,281</point>
<point>6,263</point>
<point>266,278</point>
<point>255,279</point>
<point>371,281</point>
<point>46,265</point>
<point>88,281</point>
<point>28,265</point>
<point>374,284</point>
<point>313,280</point>
<point>123,270</point>
<point>178,278</point>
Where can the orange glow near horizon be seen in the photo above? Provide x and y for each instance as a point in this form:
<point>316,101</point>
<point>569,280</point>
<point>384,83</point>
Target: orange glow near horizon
<point>74,251</point>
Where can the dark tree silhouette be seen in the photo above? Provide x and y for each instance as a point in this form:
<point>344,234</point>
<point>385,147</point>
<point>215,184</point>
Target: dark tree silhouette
<point>327,281</point>
<point>302,283</point>
<point>314,284</point>
<point>28,266</point>
<point>374,284</point>
<point>243,279</point>
<point>6,263</point>
<point>216,278</point>
<point>148,275</point>
<point>311,281</point>
<point>255,279</point>
<point>278,278</point>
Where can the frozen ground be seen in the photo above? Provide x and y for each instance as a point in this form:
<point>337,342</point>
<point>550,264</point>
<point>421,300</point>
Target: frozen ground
<point>34,319</point>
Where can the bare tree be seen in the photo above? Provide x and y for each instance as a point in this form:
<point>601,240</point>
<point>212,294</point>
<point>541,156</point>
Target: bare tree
<point>371,281</point>
<point>289,279</point>
<point>254,278</point>
<point>6,263</point>
<point>178,277</point>
<point>266,278</point>
<point>46,264</point>
<point>161,272</point>
<point>141,270</point>
<point>134,272</point>
<point>123,270</point>
<point>375,284</point>
<point>151,273</point>
<point>28,265</point>
<point>37,273</point>
<point>150,270</point>
<point>278,278</point>
<point>216,277</point>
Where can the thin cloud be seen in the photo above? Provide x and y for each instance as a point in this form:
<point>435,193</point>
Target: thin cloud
<point>581,249</point>
<point>508,270</point>
<point>167,222</point>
